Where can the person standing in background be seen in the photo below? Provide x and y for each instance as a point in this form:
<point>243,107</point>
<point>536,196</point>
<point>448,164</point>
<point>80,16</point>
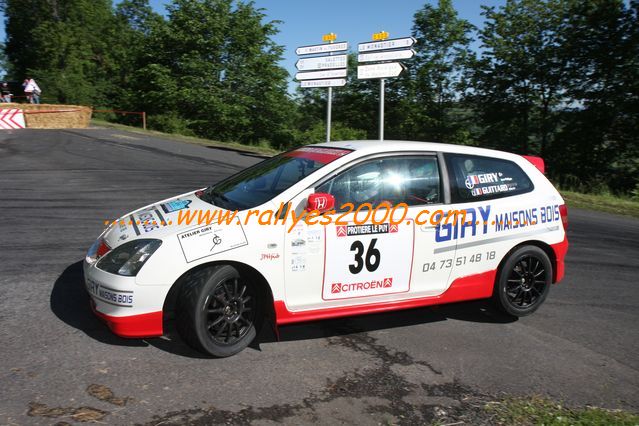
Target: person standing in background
<point>5,92</point>
<point>32,90</point>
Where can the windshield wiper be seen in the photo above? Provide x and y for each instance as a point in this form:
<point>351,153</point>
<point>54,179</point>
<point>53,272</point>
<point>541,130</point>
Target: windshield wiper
<point>214,197</point>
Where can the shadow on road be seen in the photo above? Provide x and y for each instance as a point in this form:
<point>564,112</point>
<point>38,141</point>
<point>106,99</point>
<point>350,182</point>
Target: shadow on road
<point>70,303</point>
<point>480,311</point>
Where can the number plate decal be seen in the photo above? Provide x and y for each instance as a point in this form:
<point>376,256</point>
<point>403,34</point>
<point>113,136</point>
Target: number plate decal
<point>367,260</point>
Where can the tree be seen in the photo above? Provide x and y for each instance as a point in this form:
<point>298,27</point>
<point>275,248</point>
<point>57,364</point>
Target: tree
<point>134,22</point>
<point>65,45</point>
<point>437,72</point>
<point>521,76</point>
<point>213,62</point>
<point>597,144</point>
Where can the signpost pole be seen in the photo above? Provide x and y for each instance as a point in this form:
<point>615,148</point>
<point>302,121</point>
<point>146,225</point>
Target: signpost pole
<point>381,109</point>
<point>328,114</point>
<point>327,70</point>
<point>329,104</point>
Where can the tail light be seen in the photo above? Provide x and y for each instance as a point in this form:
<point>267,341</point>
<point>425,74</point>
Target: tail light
<point>563,211</point>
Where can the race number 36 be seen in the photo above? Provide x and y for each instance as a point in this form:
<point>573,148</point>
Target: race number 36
<point>367,260</point>
<point>371,253</point>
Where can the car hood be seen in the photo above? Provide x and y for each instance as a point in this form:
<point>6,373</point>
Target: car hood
<point>161,219</point>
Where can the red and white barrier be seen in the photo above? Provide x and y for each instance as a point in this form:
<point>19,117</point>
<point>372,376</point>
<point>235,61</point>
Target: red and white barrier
<point>11,119</point>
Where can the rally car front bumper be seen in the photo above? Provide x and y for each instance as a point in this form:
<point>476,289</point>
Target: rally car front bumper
<point>129,310</point>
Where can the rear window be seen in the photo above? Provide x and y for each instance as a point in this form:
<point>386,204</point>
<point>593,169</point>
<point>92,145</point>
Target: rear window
<point>476,178</point>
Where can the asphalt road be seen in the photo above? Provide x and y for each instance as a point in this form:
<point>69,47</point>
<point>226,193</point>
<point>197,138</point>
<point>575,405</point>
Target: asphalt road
<point>60,364</point>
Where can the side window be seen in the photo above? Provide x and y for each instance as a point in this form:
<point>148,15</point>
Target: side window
<point>412,180</point>
<point>476,178</point>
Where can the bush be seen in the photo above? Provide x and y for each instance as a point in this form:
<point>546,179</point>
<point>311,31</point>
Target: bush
<point>169,123</point>
<point>339,132</point>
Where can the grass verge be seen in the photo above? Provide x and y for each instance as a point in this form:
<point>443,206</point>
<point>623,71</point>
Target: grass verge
<point>604,203</point>
<point>541,411</point>
<point>188,139</point>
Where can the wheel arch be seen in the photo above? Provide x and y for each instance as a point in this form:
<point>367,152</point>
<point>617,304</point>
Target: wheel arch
<point>540,244</point>
<point>264,287</point>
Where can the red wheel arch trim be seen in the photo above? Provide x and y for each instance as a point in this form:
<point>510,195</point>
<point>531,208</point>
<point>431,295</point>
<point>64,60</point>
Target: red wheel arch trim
<point>560,250</point>
<point>477,286</point>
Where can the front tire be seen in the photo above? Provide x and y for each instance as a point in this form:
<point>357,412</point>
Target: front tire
<point>524,281</point>
<point>217,311</point>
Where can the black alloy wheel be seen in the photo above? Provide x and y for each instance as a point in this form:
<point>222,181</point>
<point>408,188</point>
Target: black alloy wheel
<point>218,311</point>
<point>230,311</point>
<point>524,281</point>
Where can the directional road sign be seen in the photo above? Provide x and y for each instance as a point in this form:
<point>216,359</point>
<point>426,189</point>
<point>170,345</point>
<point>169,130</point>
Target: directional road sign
<point>386,56</point>
<point>394,43</point>
<point>334,82</point>
<point>313,75</point>
<point>322,48</point>
<point>322,63</point>
<point>385,70</point>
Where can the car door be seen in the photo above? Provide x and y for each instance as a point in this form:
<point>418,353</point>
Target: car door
<point>370,250</point>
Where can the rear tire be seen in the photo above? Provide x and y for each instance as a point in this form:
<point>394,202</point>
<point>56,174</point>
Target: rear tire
<point>217,311</point>
<point>524,281</point>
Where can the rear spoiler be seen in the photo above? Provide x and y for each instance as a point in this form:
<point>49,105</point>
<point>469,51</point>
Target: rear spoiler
<point>537,162</point>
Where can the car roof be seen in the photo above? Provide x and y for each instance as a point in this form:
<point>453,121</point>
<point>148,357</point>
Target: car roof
<point>376,146</point>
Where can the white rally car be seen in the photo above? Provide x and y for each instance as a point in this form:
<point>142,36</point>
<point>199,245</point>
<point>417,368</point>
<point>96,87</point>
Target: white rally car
<point>332,230</point>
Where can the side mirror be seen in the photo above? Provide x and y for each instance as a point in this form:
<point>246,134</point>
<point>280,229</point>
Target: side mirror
<point>320,201</point>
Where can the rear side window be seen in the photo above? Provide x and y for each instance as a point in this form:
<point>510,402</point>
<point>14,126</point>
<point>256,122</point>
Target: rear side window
<point>476,178</point>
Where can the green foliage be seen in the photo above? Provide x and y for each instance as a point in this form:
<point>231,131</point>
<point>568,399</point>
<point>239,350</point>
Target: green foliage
<point>64,45</point>
<point>169,123</point>
<point>437,73</point>
<point>339,132</point>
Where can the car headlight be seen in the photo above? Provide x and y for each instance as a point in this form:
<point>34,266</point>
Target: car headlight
<point>98,249</point>
<point>128,258</point>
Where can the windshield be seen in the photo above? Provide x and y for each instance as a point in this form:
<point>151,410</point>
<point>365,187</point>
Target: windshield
<point>260,183</point>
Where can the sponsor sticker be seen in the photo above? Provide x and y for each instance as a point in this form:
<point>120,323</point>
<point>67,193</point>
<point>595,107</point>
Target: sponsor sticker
<point>361,286</point>
<point>298,264</point>
<point>147,221</point>
<point>313,240</point>
<point>108,295</point>
<point>269,256</point>
<point>208,240</point>
<point>483,178</point>
<point>367,229</point>
<point>175,205</point>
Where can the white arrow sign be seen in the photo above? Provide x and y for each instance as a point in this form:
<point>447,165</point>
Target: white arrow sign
<point>395,43</point>
<point>322,63</point>
<point>335,82</point>
<point>314,75</point>
<point>322,48</point>
<point>389,69</point>
<point>386,56</point>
